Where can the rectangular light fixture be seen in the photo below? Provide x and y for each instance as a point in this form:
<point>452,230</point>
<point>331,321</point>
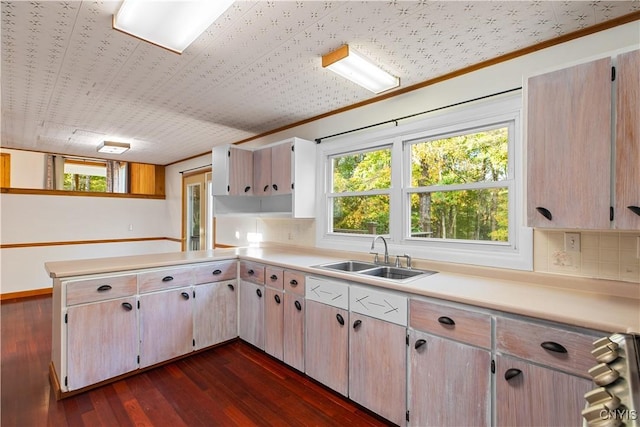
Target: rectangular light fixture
<point>352,65</point>
<point>111,147</point>
<point>173,25</point>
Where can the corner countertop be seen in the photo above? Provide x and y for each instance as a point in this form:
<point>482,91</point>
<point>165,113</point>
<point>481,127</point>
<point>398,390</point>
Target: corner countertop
<point>607,306</point>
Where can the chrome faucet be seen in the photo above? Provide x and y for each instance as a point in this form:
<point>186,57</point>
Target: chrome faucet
<point>386,249</point>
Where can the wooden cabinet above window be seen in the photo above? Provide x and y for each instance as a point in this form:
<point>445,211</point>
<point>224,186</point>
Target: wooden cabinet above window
<point>146,179</point>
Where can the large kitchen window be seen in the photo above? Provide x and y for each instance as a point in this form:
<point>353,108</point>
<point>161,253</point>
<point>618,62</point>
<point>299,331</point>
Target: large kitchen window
<point>447,188</point>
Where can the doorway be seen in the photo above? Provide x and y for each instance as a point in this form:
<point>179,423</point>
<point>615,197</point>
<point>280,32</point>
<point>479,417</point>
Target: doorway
<point>197,225</point>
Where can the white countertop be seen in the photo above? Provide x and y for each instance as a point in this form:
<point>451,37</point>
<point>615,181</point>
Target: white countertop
<point>602,305</point>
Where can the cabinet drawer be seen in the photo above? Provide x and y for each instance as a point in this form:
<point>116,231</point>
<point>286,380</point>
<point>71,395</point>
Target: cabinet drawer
<point>294,282</point>
<point>252,272</point>
<point>273,277</point>
<point>525,339</point>
<point>100,289</point>
<point>168,278</point>
<point>458,324</point>
<point>215,272</point>
<point>385,306</point>
<point>328,292</point>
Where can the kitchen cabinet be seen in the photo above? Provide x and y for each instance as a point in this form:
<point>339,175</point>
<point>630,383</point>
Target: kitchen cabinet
<point>272,172</point>
<point>251,304</point>
<point>146,179</point>
<point>215,313</point>
<point>541,373</point>
<point>569,147</point>
<point>232,173</point>
<point>274,323</point>
<point>449,376</point>
<point>627,176</point>
<point>166,325</point>
<point>294,323</point>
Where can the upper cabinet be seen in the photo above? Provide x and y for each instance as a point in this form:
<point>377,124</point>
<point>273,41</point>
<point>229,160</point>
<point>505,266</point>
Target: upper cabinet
<point>627,177</point>
<point>570,143</point>
<point>280,177</point>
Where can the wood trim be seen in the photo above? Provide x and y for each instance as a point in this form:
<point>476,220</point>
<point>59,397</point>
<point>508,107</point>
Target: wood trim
<point>85,162</point>
<point>84,242</point>
<point>34,293</point>
<point>335,56</point>
<point>41,192</point>
<point>635,16</point>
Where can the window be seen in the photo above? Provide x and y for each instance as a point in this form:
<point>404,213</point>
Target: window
<point>447,188</point>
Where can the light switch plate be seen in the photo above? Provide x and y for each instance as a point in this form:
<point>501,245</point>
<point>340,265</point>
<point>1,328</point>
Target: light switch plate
<point>572,242</point>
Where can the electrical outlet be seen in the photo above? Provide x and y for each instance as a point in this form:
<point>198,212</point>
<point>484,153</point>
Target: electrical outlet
<point>572,242</point>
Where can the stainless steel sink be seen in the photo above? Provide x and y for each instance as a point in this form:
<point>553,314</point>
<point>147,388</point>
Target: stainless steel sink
<point>349,266</point>
<point>396,273</point>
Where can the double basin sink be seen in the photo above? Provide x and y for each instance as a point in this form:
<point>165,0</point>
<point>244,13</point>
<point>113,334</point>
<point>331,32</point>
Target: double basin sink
<point>398,274</point>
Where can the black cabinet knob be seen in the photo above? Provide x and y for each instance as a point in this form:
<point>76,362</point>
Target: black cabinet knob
<point>266,187</point>
<point>259,293</point>
<point>444,320</point>
<point>230,286</point>
<point>104,288</point>
<point>419,344</point>
<point>185,295</point>
<point>340,319</point>
<point>127,306</point>
<point>357,324</point>
<point>293,282</point>
<point>277,298</point>
<point>216,272</point>
<point>251,272</point>
<point>553,346</point>
<point>247,188</point>
<point>298,305</point>
<point>167,278</point>
<point>274,277</point>
<point>511,373</point>
<point>544,212</point>
<point>275,187</point>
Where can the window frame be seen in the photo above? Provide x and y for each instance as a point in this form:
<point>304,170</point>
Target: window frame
<point>516,254</point>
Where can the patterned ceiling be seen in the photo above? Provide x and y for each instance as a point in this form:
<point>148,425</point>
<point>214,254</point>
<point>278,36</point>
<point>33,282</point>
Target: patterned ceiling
<point>69,80</point>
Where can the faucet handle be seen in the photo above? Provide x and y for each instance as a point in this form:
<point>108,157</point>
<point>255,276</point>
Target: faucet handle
<point>375,258</point>
<point>398,264</point>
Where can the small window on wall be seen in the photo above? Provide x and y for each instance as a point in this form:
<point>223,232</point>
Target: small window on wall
<point>90,175</point>
<point>460,186</point>
<point>360,191</point>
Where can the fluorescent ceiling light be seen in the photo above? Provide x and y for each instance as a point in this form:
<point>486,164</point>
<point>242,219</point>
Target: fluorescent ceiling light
<point>111,147</point>
<point>354,66</point>
<point>173,25</point>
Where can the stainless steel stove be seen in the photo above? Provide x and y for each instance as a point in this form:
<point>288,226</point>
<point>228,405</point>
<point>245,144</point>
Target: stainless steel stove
<point>616,400</point>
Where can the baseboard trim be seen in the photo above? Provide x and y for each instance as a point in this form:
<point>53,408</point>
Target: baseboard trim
<point>26,294</point>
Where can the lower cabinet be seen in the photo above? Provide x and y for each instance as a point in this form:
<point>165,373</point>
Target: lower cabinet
<point>530,395</point>
<point>449,382</point>
<point>215,313</point>
<point>378,366</point>
<point>251,318</point>
<point>160,339</point>
<point>102,341</point>
<point>327,345</point>
<point>294,322</point>
<point>274,323</point>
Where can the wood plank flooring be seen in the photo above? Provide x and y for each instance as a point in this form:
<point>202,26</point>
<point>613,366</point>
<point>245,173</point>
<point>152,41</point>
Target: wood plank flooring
<point>232,385</point>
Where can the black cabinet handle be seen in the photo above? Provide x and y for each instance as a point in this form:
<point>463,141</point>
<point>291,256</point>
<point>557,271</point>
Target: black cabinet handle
<point>231,287</point>
<point>251,272</point>
<point>512,373</point>
<point>444,320</point>
<point>553,346</point>
<point>340,319</point>
<point>185,295</point>
<point>266,187</point>
<point>247,188</point>
<point>293,282</point>
<point>634,209</point>
<point>357,324</point>
<point>544,212</point>
<point>167,278</point>
<point>127,306</point>
<point>104,288</point>
<point>216,272</point>
<point>419,344</point>
<point>274,277</point>
<point>259,293</point>
<point>277,298</point>
<point>275,187</point>
<point>298,305</point>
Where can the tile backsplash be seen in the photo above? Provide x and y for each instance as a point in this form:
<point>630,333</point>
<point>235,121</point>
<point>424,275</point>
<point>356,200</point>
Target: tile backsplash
<point>603,254</point>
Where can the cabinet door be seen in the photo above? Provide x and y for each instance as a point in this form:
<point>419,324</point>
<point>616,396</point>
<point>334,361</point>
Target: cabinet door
<point>102,341</point>
<point>378,366</point>
<point>251,328</point>
<point>215,316</point>
<point>627,212</point>
<point>293,351</point>
<point>274,323</point>
<point>166,325</point>
<point>449,382</point>
<point>262,172</point>
<point>240,172</point>
<point>537,396</point>
<point>569,147</point>
<point>327,345</point>
<point>281,155</point>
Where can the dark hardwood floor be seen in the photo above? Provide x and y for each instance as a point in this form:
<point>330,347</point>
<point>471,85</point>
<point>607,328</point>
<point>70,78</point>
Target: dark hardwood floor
<point>234,384</point>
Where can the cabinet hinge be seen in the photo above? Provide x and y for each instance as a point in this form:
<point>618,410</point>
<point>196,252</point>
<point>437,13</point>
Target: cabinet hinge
<point>66,381</point>
<point>194,342</point>
<point>194,293</point>
<point>407,417</point>
<point>228,188</point>
<point>493,366</point>
<point>407,340</point>
<point>611,213</point>
<point>138,359</point>
<point>613,74</point>
<point>66,319</point>
<point>138,304</point>
<point>292,185</point>
<point>228,153</point>
<point>293,148</point>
